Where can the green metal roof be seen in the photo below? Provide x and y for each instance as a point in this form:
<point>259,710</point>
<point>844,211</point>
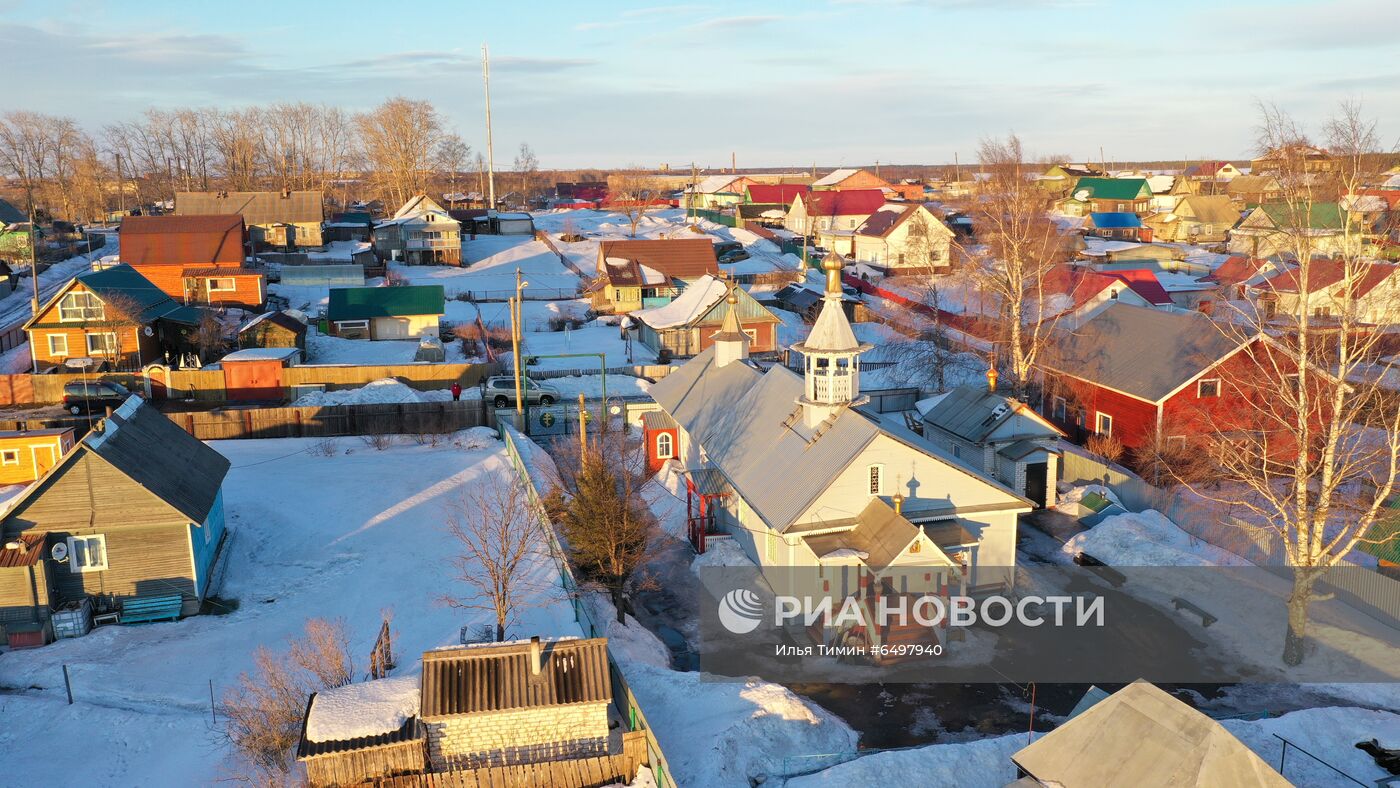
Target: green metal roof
<point>1386,531</point>
<point>1320,215</point>
<point>363,303</point>
<point>1114,188</point>
<point>122,283</point>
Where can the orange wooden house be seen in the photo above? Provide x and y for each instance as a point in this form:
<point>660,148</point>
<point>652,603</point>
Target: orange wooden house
<point>114,315</point>
<point>194,259</point>
<point>27,455</point>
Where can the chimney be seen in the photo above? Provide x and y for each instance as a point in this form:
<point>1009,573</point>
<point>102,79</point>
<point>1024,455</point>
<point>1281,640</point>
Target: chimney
<point>992,378</point>
<point>535,655</point>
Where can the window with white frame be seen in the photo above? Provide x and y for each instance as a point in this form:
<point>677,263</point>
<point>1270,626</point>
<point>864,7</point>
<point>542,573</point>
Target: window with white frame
<point>1208,388</point>
<point>9,457</point>
<point>1058,407</point>
<point>665,449</point>
<point>87,553</point>
<point>103,344</point>
<point>80,305</point>
<point>58,345</point>
<point>222,284</point>
<point>876,476</point>
<point>1104,424</point>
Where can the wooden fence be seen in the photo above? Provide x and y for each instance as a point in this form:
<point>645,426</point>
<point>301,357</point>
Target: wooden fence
<point>328,421</point>
<point>595,772</point>
<point>207,385</point>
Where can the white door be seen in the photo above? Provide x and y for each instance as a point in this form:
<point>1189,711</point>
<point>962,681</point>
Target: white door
<point>391,328</point>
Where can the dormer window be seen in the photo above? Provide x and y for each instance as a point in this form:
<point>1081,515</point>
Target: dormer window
<point>80,305</point>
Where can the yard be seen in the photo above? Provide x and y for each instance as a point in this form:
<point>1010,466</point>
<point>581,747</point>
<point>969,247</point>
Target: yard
<point>342,536</point>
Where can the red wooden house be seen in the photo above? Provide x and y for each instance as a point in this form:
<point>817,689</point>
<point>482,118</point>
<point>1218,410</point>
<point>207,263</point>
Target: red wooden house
<point>1133,373</point>
<point>193,259</point>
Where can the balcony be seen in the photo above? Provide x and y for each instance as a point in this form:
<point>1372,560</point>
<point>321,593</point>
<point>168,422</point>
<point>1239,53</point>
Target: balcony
<point>833,388</point>
<point>431,244</point>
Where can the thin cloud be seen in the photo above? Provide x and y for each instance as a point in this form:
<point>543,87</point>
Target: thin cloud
<point>734,22</point>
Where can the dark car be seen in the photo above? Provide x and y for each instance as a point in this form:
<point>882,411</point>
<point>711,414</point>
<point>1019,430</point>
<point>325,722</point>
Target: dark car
<point>93,396</point>
<point>726,247</point>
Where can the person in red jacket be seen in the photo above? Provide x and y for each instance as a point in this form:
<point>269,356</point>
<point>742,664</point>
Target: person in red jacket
<point>456,391</point>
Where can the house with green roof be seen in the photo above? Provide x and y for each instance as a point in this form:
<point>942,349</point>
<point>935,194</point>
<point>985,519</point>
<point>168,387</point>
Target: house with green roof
<point>1274,228</point>
<point>405,312</point>
<point>1113,195</point>
<point>113,315</point>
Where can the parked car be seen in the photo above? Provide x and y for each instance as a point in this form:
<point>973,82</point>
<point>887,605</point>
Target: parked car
<point>733,257</point>
<point>93,396</point>
<point>726,247</point>
<point>500,391</point>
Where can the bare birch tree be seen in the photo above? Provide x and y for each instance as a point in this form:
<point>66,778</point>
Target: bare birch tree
<point>1313,453</point>
<point>453,155</point>
<point>527,164</point>
<point>500,538</point>
<point>1017,247</point>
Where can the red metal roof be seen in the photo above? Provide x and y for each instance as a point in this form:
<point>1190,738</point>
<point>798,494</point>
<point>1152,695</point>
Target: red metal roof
<point>182,240</point>
<point>1235,269</point>
<point>1080,284</point>
<point>683,258</point>
<point>31,550</point>
<point>851,202</point>
<point>1144,283</point>
<point>782,193</point>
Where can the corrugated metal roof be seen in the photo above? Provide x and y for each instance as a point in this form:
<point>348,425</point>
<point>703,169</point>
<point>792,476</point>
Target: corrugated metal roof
<point>1109,349</point>
<point>30,551</point>
<point>181,240</point>
<point>254,207</point>
<point>498,678</point>
<point>709,481</point>
<point>880,533</point>
<point>1113,188</point>
<point>1116,220</point>
<point>123,285</point>
<point>363,303</point>
<point>411,730</point>
<point>657,420</point>
<point>971,412</point>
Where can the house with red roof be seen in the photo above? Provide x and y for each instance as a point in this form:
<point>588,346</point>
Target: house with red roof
<point>1331,288</point>
<point>901,239</point>
<point>821,211</point>
<point>1238,273</point>
<point>1074,294</point>
<point>193,259</point>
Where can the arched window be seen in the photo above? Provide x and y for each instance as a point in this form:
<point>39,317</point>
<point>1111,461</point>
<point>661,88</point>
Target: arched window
<point>664,447</point>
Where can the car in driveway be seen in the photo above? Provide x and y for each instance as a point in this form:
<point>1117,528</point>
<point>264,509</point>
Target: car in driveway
<point>93,396</point>
<point>500,391</point>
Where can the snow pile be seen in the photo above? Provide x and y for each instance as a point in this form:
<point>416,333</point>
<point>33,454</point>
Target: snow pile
<point>720,552</point>
<point>369,708</point>
<point>1329,733</point>
<point>665,497</point>
<point>385,391</point>
<point>984,763</point>
<point>476,438</point>
<point>630,643</point>
<point>1148,539</point>
<point>717,732</point>
<point>338,350</point>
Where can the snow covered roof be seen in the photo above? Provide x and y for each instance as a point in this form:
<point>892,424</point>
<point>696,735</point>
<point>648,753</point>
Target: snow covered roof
<point>693,302</point>
<point>835,177</point>
<point>367,709</point>
<point>262,354</point>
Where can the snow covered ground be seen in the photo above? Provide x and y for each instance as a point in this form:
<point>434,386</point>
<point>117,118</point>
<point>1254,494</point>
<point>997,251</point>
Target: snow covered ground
<point>321,349</point>
<point>1330,733</point>
<point>15,307</point>
<point>536,314</point>
<point>341,536</point>
<point>594,337</point>
<point>383,391</point>
<point>489,264</point>
<point>1148,539</point>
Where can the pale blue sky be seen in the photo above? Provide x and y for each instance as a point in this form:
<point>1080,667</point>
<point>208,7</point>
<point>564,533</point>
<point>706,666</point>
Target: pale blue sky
<point>783,82</point>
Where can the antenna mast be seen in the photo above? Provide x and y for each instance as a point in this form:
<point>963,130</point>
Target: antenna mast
<point>490,152</point>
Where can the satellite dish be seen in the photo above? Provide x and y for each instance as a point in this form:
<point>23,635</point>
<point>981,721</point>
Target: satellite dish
<point>1081,195</point>
<point>59,552</point>
<point>149,331</point>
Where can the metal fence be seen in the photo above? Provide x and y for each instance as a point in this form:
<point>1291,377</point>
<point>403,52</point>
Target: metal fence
<point>623,698</point>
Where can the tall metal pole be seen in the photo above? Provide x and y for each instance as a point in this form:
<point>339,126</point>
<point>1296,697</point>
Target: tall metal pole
<point>34,276</point>
<point>490,151</point>
<point>515,314</point>
<point>121,186</point>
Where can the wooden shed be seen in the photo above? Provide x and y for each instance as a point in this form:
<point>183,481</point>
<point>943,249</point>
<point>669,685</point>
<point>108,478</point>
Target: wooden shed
<point>255,373</point>
<point>363,732</point>
<point>25,455</point>
<point>24,592</point>
<point>274,329</point>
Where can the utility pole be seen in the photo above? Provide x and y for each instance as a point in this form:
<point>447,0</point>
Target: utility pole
<point>515,313</point>
<point>690,202</point>
<point>877,168</point>
<point>121,186</point>
<point>582,431</point>
<point>490,151</point>
<point>957,168</point>
<point>34,276</point>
